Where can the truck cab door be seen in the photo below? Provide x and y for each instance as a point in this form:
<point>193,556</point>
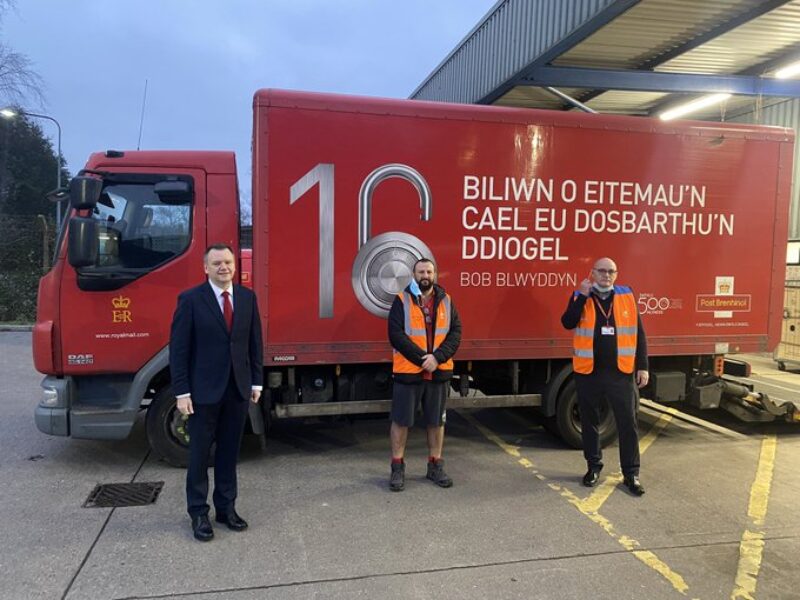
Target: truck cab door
<point>116,313</point>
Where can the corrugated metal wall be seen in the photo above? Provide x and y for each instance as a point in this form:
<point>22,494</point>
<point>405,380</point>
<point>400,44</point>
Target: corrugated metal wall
<point>514,34</point>
<point>785,114</point>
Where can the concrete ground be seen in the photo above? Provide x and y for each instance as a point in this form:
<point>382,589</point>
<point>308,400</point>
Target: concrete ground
<point>719,519</point>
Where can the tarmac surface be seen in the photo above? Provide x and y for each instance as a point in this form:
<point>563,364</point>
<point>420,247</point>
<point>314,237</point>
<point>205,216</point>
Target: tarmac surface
<point>719,519</point>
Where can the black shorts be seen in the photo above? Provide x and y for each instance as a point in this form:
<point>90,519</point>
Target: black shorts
<point>406,398</point>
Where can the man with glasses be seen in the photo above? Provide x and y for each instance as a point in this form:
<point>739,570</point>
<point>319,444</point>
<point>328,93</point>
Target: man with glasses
<point>424,331</point>
<point>609,354</point>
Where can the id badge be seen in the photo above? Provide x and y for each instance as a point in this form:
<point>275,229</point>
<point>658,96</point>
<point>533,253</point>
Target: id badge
<point>608,330</point>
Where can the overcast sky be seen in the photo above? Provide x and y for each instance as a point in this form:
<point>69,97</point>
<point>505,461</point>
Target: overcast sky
<point>203,60</point>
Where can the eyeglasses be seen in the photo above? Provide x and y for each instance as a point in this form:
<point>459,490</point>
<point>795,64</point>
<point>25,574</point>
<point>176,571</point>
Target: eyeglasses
<point>608,272</point>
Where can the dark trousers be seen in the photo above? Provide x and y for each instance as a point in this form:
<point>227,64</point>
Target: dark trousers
<point>222,423</point>
<point>617,388</point>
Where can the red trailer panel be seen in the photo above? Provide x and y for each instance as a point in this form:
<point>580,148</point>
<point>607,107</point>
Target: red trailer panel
<point>514,205</point>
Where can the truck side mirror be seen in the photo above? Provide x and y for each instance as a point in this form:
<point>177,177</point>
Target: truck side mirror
<point>173,191</point>
<point>84,192</point>
<point>82,247</point>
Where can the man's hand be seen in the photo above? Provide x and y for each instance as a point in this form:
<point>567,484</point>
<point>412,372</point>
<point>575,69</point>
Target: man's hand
<point>585,287</point>
<point>429,363</point>
<point>255,395</point>
<point>185,406</point>
<point>642,377</point>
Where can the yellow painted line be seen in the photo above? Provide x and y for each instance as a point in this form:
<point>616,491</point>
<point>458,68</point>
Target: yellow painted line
<point>602,492</point>
<point>631,545</point>
<point>656,429</point>
<point>628,543</point>
<point>759,493</point>
<point>751,548</point>
<point>491,436</point>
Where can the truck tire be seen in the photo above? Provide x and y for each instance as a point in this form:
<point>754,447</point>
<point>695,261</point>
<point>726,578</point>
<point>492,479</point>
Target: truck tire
<point>567,420</point>
<point>166,429</point>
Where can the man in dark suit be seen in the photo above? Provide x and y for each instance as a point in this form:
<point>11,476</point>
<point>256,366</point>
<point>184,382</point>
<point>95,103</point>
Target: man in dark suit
<point>216,365</point>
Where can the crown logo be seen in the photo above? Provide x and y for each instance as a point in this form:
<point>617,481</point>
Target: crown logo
<point>120,302</point>
<point>724,288</point>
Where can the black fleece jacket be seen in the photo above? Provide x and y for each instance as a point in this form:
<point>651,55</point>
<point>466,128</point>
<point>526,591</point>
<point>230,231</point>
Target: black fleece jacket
<point>403,344</point>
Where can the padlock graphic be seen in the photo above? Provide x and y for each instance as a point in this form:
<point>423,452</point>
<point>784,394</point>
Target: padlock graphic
<point>385,263</point>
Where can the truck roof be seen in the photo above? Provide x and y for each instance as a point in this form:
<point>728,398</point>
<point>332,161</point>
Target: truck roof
<point>221,162</point>
<point>442,110</point>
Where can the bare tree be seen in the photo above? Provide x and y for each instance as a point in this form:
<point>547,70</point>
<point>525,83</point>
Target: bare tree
<point>18,81</point>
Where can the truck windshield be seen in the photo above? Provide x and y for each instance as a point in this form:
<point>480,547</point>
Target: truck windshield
<point>139,230</point>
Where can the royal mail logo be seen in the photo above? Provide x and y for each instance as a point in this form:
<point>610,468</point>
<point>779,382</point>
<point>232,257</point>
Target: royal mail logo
<point>729,303</point>
<point>120,312</point>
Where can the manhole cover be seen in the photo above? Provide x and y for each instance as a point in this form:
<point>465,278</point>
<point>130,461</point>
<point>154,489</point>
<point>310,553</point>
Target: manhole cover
<point>111,495</point>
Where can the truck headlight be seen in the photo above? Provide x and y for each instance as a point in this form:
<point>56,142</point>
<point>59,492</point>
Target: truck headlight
<point>49,397</point>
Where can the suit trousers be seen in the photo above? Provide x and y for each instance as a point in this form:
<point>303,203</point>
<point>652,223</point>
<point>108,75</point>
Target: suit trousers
<point>617,389</point>
<point>223,423</point>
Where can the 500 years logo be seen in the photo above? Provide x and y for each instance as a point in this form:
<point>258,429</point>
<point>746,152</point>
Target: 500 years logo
<point>650,304</point>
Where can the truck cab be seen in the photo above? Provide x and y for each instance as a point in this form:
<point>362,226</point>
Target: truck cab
<point>133,240</point>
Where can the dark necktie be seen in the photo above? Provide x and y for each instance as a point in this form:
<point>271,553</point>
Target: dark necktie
<point>227,309</point>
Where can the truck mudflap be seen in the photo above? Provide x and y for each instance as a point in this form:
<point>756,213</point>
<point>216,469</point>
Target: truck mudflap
<point>743,402</point>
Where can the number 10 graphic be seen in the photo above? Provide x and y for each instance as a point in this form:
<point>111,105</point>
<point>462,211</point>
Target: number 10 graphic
<point>384,264</point>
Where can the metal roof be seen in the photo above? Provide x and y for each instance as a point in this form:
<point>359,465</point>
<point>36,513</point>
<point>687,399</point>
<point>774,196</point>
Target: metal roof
<point>624,56</point>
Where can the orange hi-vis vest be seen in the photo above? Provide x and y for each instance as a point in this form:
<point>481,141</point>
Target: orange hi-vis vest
<point>414,327</point>
<point>626,323</point>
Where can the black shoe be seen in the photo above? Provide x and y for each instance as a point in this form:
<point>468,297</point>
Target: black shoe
<point>592,477</point>
<point>231,519</point>
<point>633,484</point>
<point>437,475</point>
<point>397,482</point>
<point>201,527</point>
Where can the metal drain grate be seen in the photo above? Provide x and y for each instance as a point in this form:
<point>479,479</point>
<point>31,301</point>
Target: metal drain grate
<point>112,495</point>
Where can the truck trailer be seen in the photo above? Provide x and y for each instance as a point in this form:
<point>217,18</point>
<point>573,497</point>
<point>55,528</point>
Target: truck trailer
<point>513,205</point>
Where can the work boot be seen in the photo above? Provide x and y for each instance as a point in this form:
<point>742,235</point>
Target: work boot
<point>437,475</point>
<point>592,477</point>
<point>633,484</point>
<point>397,482</point>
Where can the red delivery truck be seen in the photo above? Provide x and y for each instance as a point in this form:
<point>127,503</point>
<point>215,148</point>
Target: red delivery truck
<point>514,205</point>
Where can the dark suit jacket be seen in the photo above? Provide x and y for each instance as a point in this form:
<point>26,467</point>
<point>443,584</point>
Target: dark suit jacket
<point>202,352</point>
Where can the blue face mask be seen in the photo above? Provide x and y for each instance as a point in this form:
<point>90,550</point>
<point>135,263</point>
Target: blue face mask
<point>414,287</point>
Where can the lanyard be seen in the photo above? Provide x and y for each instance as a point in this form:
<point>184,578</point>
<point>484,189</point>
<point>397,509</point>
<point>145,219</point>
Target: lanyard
<point>607,315</point>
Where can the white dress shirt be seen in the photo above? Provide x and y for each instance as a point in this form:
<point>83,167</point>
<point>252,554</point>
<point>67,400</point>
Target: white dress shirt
<point>218,293</point>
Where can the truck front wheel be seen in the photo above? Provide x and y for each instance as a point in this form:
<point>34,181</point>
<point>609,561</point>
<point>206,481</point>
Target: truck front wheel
<point>167,429</point>
<point>567,419</point>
